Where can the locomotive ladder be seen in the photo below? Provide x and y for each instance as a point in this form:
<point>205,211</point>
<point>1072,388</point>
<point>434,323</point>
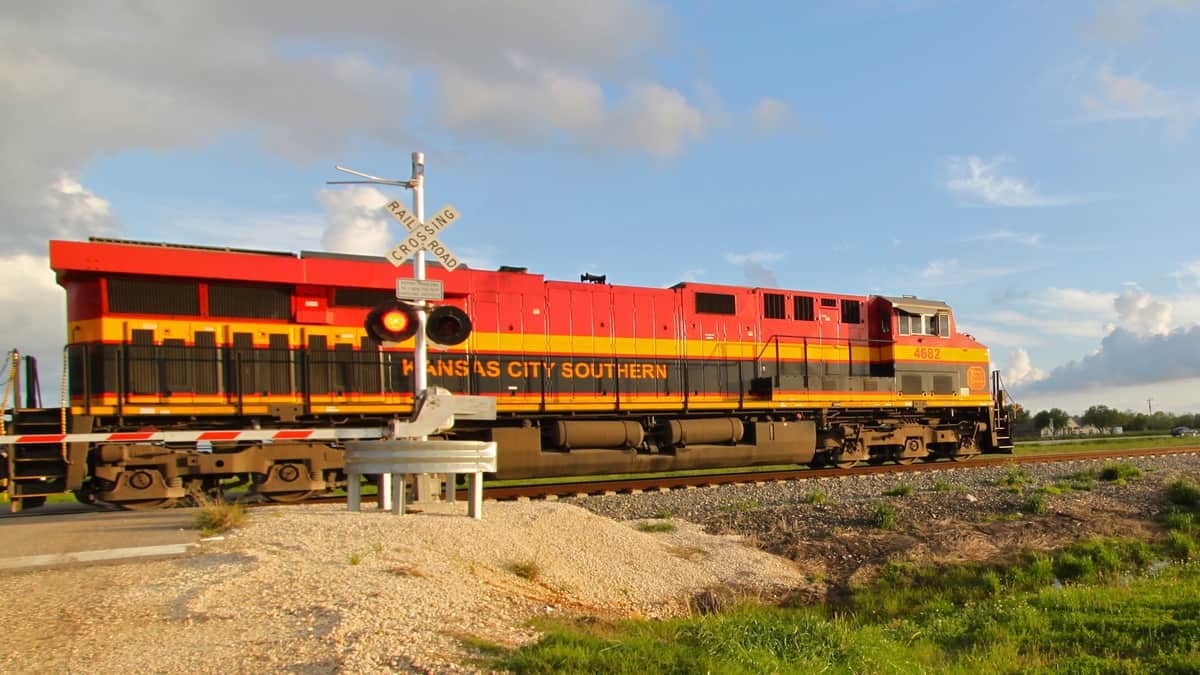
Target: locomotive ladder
<point>1000,416</point>
<point>35,470</point>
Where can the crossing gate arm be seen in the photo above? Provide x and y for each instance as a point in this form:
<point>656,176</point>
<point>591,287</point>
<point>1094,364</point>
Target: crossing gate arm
<point>434,411</point>
<point>327,434</point>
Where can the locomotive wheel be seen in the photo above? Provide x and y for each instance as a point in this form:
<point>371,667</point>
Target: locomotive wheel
<point>961,458</point>
<point>847,465</point>
<point>289,497</point>
<point>905,461</point>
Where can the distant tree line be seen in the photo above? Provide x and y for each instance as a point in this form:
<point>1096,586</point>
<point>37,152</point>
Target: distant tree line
<point>1102,417</point>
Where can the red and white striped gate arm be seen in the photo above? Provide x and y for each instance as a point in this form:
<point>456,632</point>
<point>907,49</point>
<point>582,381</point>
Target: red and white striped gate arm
<point>329,434</point>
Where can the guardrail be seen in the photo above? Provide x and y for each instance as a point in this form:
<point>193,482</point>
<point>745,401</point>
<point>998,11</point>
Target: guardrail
<point>399,457</point>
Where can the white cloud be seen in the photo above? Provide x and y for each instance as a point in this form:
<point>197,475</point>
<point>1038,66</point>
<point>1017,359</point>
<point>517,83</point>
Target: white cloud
<point>76,80</point>
<point>30,295</point>
<point>1188,275</point>
<point>771,114</point>
<point>358,222</point>
<point>1074,300</point>
<point>1141,314</point>
<point>977,181</point>
<point>1023,238</point>
<point>1020,370</point>
<point>1129,97</point>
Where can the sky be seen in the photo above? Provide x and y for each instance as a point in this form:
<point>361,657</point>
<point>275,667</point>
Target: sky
<point>1031,163</point>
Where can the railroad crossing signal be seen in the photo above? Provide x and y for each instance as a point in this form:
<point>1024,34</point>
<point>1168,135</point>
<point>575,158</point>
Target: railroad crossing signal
<point>397,321</point>
<point>422,235</point>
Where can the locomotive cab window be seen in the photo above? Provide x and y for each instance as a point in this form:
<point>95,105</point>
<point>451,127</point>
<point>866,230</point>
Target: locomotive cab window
<point>937,325</point>
<point>715,303</point>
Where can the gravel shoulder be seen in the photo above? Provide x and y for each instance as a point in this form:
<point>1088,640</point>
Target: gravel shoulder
<point>316,589</point>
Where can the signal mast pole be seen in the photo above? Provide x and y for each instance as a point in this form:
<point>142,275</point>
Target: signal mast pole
<point>420,359</point>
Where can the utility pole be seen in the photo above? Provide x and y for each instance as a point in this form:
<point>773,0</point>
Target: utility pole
<point>1150,406</point>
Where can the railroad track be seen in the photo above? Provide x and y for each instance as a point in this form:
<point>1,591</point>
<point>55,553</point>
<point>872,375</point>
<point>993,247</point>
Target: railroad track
<point>666,483</point>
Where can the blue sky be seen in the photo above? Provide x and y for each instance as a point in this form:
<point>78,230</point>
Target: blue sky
<point>1031,163</point>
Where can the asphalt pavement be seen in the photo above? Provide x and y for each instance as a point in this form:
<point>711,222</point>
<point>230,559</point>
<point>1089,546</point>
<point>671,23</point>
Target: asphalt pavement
<point>73,534</point>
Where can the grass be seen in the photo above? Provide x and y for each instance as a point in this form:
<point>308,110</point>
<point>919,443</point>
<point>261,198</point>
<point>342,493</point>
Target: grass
<point>1093,607</point>
<point>742,506</point>
<point>943,486</point>
<point>1035,504</point>
<point>215,517</point>
<point>656,527</point>
<point>1119,472</point>
<point>901,490</point>
<point>1014,479</point>
<point>1036,448</point>
<point>816,498</point>
<point>883,516</point>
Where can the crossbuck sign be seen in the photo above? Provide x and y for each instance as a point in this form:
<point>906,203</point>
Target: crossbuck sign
<point>422,235</point>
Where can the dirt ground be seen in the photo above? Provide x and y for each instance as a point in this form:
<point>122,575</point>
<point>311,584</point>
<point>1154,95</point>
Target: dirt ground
<point>839,547</point>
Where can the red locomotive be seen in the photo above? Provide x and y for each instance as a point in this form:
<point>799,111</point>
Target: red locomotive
<point>589,377</point>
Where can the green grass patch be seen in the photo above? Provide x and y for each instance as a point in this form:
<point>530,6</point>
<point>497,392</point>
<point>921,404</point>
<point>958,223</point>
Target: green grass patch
<point>1015,479</point>
<point>742,506</point>
<point>1107,617</point>
<point>656,527</point>
<point>901,490</point>
<point>943,486</point>
<point>1035,504</point>
<point>816,497</point>
<point>1091,445</point>
<point>1119,472</point>
<point>883,516</point>
<point>1084,481</point>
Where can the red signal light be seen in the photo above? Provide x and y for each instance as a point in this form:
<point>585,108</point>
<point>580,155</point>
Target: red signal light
<point>393,321</point>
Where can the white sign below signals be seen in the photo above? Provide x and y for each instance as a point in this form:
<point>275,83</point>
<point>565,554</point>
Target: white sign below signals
<point>422,235</point>
<point>419,289</point>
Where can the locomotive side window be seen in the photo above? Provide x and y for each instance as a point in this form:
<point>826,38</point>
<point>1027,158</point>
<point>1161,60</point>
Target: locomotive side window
<point>138,296</point>
<point>802,308</point>
<point>715,303</point>
<point>828,302</point>
<point>773,306</point>
<point>250,302</point>
<point>851,311</point>
<point>943,324</point>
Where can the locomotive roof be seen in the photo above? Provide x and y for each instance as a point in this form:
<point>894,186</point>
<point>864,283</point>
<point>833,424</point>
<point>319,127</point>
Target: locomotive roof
<point>915,305</point>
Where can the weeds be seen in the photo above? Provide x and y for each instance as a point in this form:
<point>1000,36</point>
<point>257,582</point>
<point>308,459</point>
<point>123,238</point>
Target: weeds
<point>663,514</point>
<point>901,490</point>
<point>656,527</point>
<point>883,516</point>
<point>1035,504</point>
<point>1084,481</point>
<point>526,569</point>
<point>1015,479</point>
<point>816,497</point>
<point>355,558</point>
<point>743,506</point>
<point>943,486</point>
<point>1119,472</point>
<point>1184,493</point>
<point>215,517</point>
<point>1180,545</point>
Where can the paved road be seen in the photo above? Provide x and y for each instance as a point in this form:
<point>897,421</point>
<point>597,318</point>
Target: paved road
<point>59,534</point>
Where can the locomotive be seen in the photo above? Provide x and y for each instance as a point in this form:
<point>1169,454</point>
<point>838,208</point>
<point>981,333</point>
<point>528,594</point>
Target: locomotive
<point>588,377</point>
